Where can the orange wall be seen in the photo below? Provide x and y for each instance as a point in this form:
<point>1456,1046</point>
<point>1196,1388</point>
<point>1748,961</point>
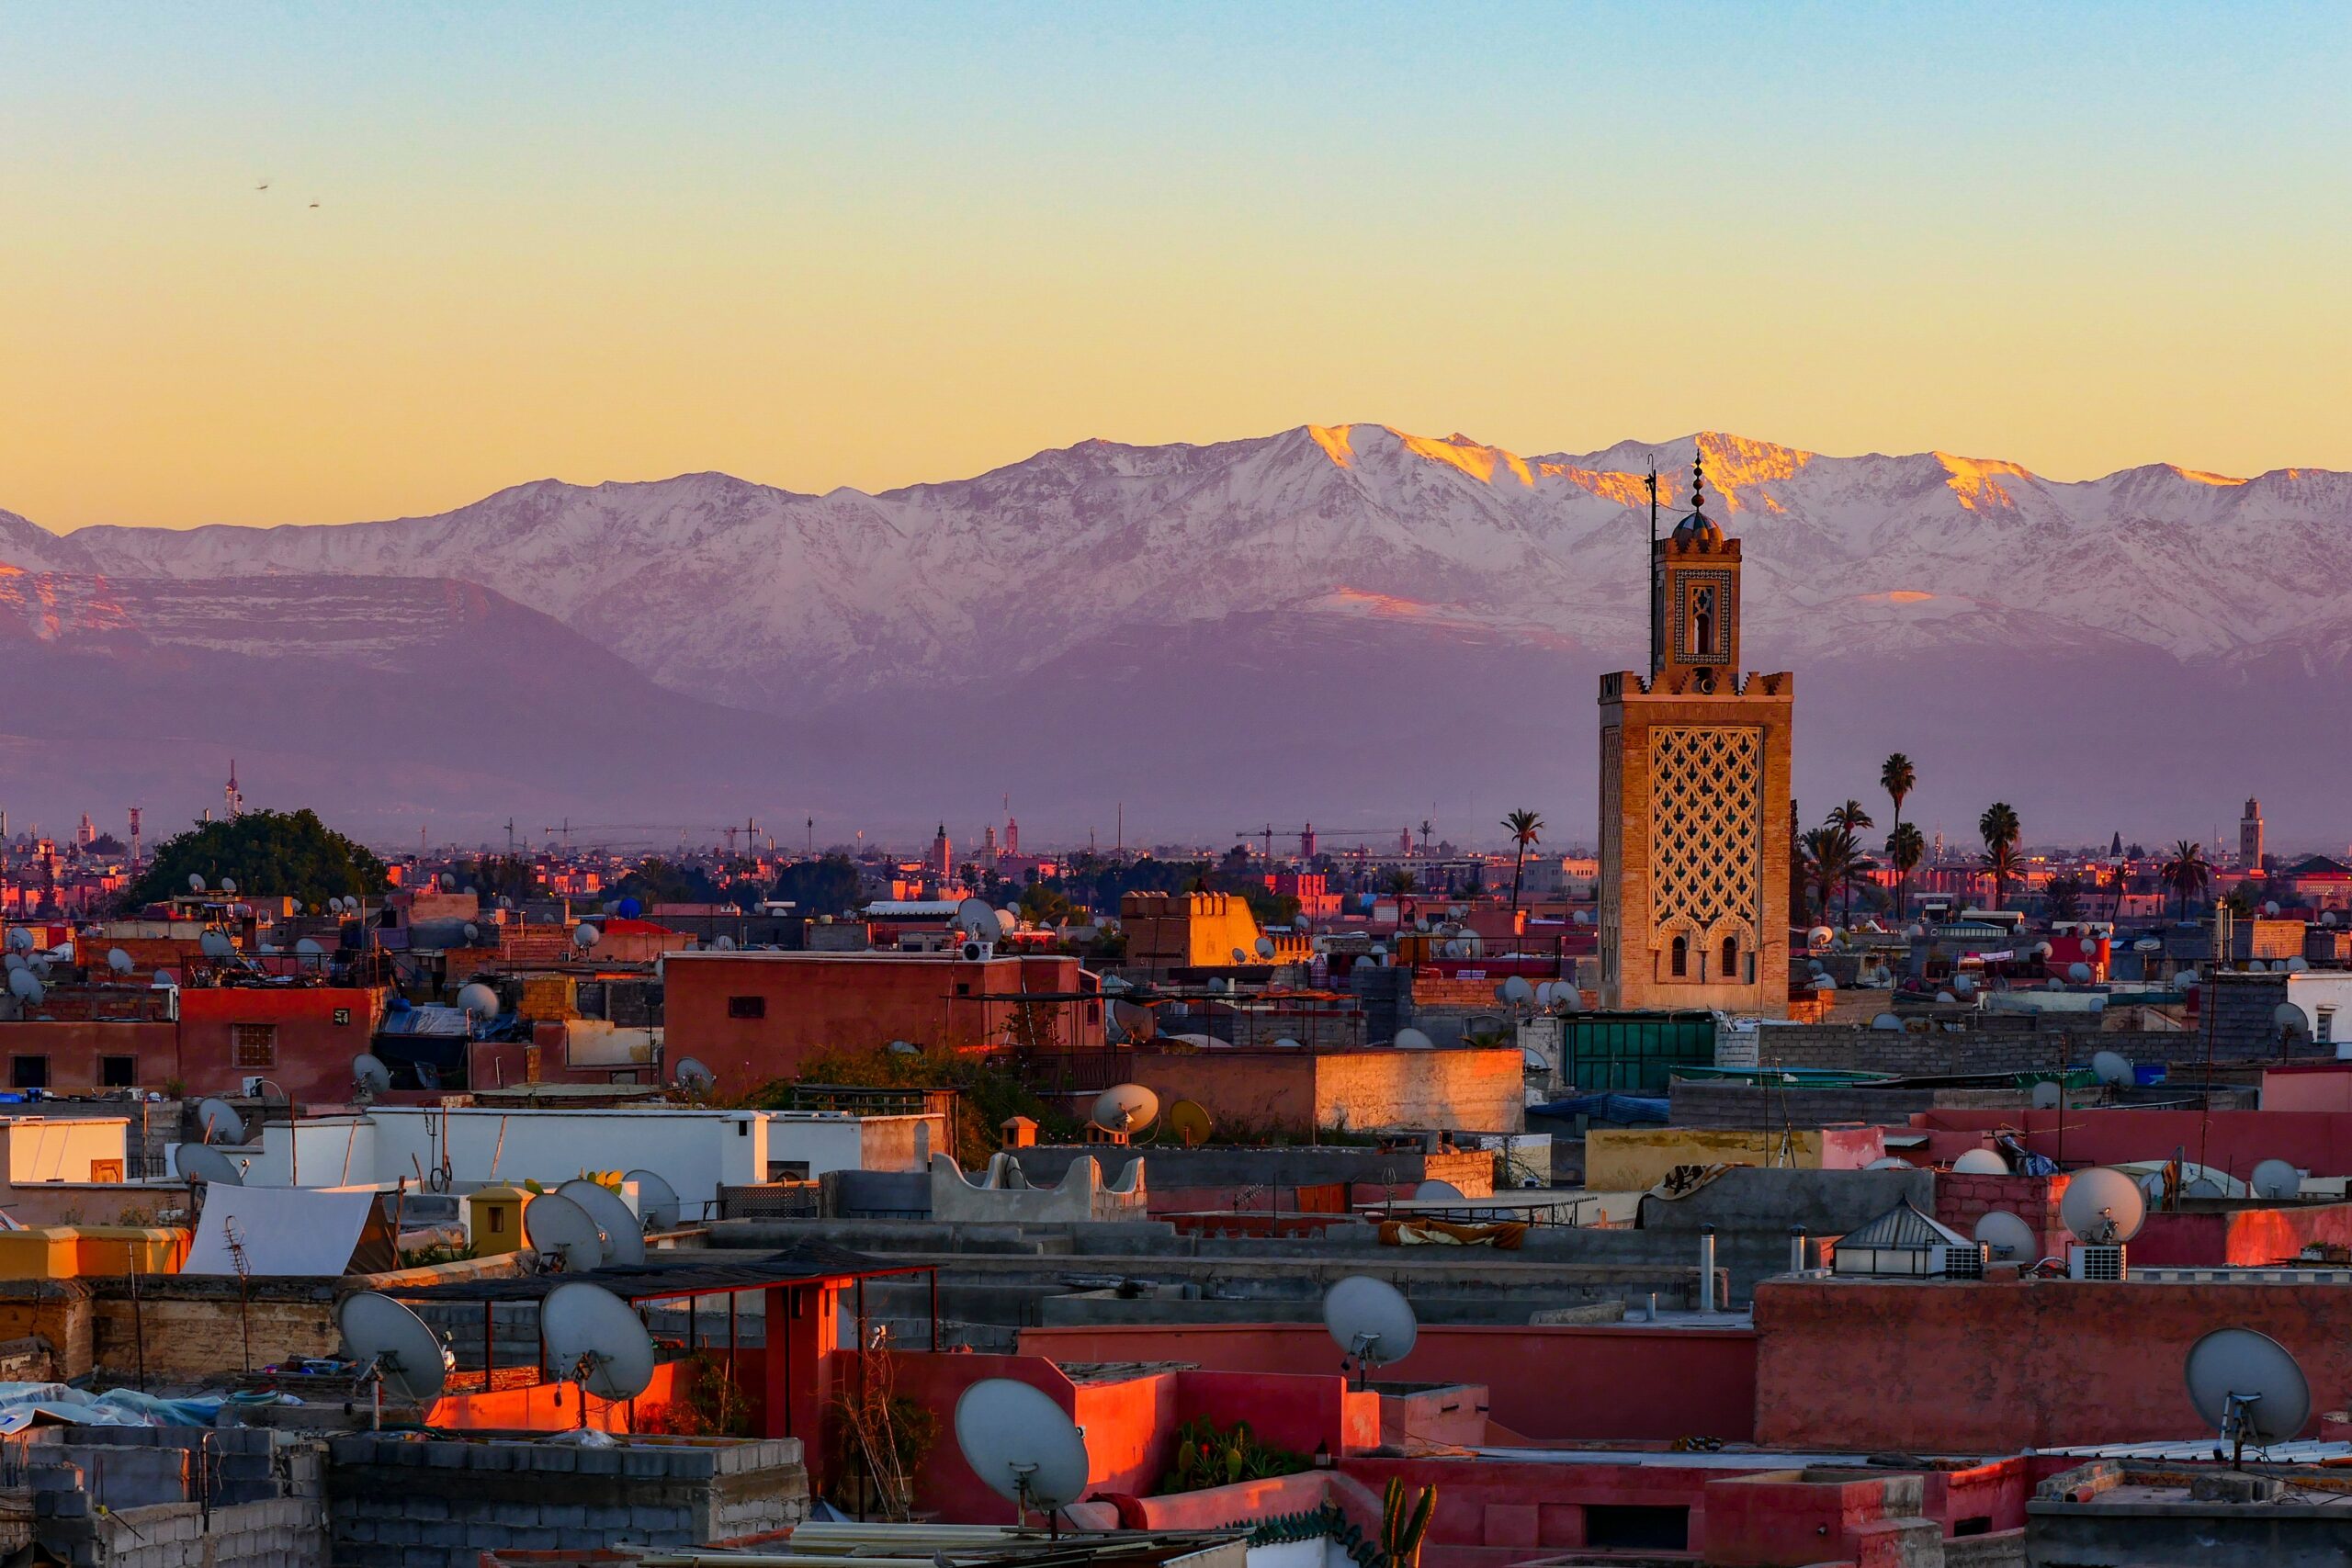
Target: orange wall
<point>551,1408</point>
<point>74,1050</point>
<point>1943,1367</point>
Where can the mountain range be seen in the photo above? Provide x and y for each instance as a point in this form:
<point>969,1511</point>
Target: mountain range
<point>1348,625</point>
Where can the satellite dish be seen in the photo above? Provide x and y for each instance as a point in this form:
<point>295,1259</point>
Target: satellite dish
<point>2298,964</point>
<point>1124,1107</point>
<point>724,945</point>
<point>1287,1044</point>
<point>1964,983</point>
<point>2007,1235</point>
<point>13,962</point>
<point>217,1123</point>
<point>1265,947</point>
<point>1518,990</point>
<point>393,1344</point>
<point>595,1339</point>
<point>118,961</point>
<point>369,1073</point>
<point>1239,956</point>
<point>229,884</point>
<point>975,918</point>
<point>1544,993</point>
<point>2103,1206</point>
<point>693,1077</point>
<point>1444,1192</point>
<point>2276,1179</point>
<point>658,1204</point>
<point>1189,1120</point>
<point>1007,921</point>
<point>1890,1163</point>
<point>2293,1027</point>
<point>2270,906</point>
<point>1981,1162</point>
<point>1887,1022</point>
<point>449,882</point>
<point>1372,1320</point>
<point>23,983</point>
<point>216,944</point>
<point>1023,1445</point>
<point>2079,973</point>
<point>478,999</point>
<point>1414,1040</point>
<point>473,931</point>
<point>202,1162</point>
<point>2047,1095</point>
<point>304,948</point>
<point>624,1232</point>
<point>905,1048</point>
<point>2247,1388</point>
<point>2111,1068</point>
<point>585,936</point>
<point>427,1075</point>
<point>194,882</point>
<point>557,1227</point>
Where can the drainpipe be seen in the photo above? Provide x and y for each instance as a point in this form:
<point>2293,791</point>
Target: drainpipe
<point>1706,1268</point>
<point>1796,1249</point>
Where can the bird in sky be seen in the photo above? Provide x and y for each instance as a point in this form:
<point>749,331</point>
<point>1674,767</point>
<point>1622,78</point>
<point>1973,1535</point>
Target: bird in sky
<point>314,204</point>
<point>263,185</point>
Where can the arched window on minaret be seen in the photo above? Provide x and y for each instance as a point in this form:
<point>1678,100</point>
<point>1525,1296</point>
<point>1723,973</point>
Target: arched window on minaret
<point>1680,958</point>
<point>1702,619</point>
<point>1731,960</point>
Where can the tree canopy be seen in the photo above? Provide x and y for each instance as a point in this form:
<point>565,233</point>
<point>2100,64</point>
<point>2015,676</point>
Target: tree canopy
<point>268,855</point>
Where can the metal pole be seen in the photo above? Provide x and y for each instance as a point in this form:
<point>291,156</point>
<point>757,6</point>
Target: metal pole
<point>489,1343</point>
<point>1706,1268</point>
<point>934,1309</point>
<point>1796,1249</point>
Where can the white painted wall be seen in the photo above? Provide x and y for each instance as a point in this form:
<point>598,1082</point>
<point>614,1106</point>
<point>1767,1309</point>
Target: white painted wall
<point>42,1148</point>
<point>2313,989</point>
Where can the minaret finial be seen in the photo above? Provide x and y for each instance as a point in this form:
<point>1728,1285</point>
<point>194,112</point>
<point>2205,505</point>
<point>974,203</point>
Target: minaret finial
<point>1699,486</point>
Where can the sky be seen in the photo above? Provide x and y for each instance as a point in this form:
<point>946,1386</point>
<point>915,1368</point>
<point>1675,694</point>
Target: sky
<point>879,245</point>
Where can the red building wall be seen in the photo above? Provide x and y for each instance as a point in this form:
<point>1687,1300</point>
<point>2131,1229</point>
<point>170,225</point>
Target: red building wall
<point>1946,1367</point>
<point>808,1002</point>
<point>71,1051</point>
<point>2318,1141</point>
<point>318,1030</point>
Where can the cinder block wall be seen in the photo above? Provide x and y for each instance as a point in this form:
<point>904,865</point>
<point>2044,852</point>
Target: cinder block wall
<point>420,1503</point>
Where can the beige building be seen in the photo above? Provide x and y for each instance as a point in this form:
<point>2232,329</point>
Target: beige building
<point>1694,797</point>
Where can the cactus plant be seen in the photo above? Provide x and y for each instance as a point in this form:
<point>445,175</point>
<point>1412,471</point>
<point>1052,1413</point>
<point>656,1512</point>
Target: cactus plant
<point>1401,1534</point>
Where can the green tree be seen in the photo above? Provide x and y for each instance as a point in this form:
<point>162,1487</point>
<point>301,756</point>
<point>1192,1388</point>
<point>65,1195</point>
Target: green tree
<point>268,855</point>
<point>1904,849</point>
<point>1851,818</point>
<point>1998,828</point>
<point>1897,777</point>
<point>827,886</point>
<point>1829,856</point>
<point>1526,831</point>
<point>2185,871</point>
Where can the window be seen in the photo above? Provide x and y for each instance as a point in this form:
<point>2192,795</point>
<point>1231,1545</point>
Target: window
<point>118,1072</point>
<point>963,987</point>
<point>1635,1527</point>
<point>257,1045</point>
<point>27,1072</point>
<point>2326,1032</point>
<point>1681,959</point>
<point>747,1006</point>
<point>1731,959</point>
<point>1703,619</point>
<point>497,1220</point>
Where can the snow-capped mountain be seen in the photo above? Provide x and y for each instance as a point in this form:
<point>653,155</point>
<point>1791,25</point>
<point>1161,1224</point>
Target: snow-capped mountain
<point>1312,568</point>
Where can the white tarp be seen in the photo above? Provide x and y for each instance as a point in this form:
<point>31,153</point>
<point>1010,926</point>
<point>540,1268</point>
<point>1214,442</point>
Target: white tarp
<point>283,1231</point>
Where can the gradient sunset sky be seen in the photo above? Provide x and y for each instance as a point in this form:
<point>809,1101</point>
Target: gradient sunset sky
<point>878,244</point>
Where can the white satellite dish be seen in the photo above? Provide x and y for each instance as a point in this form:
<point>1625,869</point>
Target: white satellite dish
<point>216,1122</point>
<point>229,884</point>
<point>1372,1320</point>
<point>585,936</point>
<point>1287,1043</point>
<point>478,999</point>
<point>2047,1095</point>
<point>2103,1206</point>
<point>624,1232</point>
<point>1888,1023</point>
<point>304,948</point>
<point>2293,1026</point>
<point>2248,1389</point>
<point>2276,1179</point>
<point>2007,1235</point>
<point>1239,956</point>
<point>202,1162</point>
<point>1023,1445</point>
<point>216,944</point>
<point>1124,1107</point>
<point>473,931</point>
<point>1890,1162</point>
<point>1439,1191</point>
<point>558,1228</point>
<point>1544,993</point>
<point>1518,990</point>
<point>1981,1162</point>
<point>658,1204</point>
<point>2298,964</point>
<point>2080,974</point>
<point>1414,1040</point>
<point>2270,906</point>
<point>369,1074</point>
<point>194,882</point>
<point>394,1345</point>
<point>118,961</point>
<point>693,1077</point>
<point>724,945</point>
<point>1007,921</point>
<point>2111,1067</point>
<point>595,1339</point>
<point>1265,947</point>
<point>23,984</point>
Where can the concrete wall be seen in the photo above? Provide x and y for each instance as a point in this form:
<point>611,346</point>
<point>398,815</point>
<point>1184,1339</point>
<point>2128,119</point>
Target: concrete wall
<point>1626,1159</point>
<point>1081,1194</point>
<point>402,1503</point>
<point>71,1149</point>
<point>1296,1091</point>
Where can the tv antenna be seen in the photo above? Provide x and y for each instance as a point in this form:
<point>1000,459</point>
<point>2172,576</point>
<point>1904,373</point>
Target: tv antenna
<point>1023,1447</point>
<point>1372,1320</point>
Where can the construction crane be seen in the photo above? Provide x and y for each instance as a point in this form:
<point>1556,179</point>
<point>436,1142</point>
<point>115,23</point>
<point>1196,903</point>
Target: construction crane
<point>1266,831</point>
<point>748,828</point>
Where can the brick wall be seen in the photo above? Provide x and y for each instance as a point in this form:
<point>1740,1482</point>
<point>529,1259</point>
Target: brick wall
<point>1962,1198</point>
<point>195,1330</point>
<point>57,1310</point>
<point>415,1503</point>
<point>1470,1091</point>
<point>2010,1049</point>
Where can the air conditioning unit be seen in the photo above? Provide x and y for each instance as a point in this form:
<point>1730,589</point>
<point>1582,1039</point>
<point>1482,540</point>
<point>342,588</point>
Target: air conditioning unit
<point>252,1087</point>
<point>1962,1262</point>
<point>972,952</point>
<point>2099,1262</point>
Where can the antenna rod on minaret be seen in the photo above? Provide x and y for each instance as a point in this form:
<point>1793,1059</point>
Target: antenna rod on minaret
<point>1658,641</point>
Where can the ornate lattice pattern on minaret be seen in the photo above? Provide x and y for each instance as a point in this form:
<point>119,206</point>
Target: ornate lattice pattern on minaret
<point>1706,814</point>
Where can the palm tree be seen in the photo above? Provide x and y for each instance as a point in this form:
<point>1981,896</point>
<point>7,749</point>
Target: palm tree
<point>2186,873</point>
<point>1906,848</point>
<point>1998,826</point>
<point>1851,819</point>
<point>1829,857</point>
<point>1526,831</point>
<point>1897,776</point>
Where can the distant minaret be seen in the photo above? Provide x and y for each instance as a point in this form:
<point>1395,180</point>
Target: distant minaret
<point>943,857</point>
<point>1011,836</point>
<point>134,836</point>
<point>236,797</point>
<point>2250,837</point>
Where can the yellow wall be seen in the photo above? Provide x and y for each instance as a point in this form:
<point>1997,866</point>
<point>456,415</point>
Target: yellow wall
<point>1624,1159</point>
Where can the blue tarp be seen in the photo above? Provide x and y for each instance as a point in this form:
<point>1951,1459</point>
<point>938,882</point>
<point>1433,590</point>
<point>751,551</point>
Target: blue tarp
<point>1620,1107</point>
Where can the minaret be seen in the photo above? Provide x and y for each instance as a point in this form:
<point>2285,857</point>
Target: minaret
<point>236,797</point>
